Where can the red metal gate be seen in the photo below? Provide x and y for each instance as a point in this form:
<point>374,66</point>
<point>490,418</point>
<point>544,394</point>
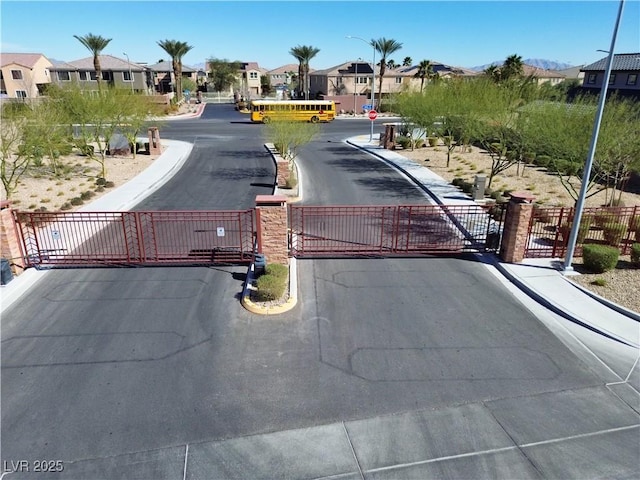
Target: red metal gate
<point>134,238</point>
<point>387,230</point>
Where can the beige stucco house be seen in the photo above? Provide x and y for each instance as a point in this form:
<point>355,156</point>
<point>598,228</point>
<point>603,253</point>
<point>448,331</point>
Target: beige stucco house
<point>116,72</point>
<point>24,75</point>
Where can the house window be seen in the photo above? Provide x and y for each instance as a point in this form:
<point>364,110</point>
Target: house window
<point>612,79</point>
<point>398,79</point>
<point>253,75</point>
<point>64,76</point>
<point>591,79</point>
<point>127,76</point>
<point>632,79</point>
<point>16,74</point>
<point>107,76</point>
<point>22,94</point>
<point>84,76</point>
<point>363,80</point>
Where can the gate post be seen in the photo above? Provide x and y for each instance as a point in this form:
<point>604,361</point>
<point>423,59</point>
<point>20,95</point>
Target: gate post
<point>154,141</point>
<point>272,225</point>
<point>9,237</point>
<point>516,227</point>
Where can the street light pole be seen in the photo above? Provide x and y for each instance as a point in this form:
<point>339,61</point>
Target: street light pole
<point>373,79</point>
<point>130,72</point>
<point>592,149</point>
<point>355,88</point>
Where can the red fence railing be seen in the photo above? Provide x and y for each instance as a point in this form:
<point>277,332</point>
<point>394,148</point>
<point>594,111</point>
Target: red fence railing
<point>353,230</point>
<point>550,227</point>
<point>129,238</point>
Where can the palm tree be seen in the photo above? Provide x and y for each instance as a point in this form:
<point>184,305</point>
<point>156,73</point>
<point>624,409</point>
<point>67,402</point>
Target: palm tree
<point>407,62</point>
<point>95,44</point>
<point>425,70</point>
<point>176,51</point>
<point>304,54</point>
<point>392,64</point>
<point>384,47</point>
<point>512,67</point>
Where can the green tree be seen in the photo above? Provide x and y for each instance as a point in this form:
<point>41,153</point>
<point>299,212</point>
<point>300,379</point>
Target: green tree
<point>407,62</point>
<point>95,44</point>
<point>618,149</point>
<point>425,71</point>
<point>303,54</point>
<point>265,85</point>
<point>176,50</point>
<point>223,73</point>
<point>14,161</point>
<point>288,136</point>
<point>384,47</point>
<point>512,67</point>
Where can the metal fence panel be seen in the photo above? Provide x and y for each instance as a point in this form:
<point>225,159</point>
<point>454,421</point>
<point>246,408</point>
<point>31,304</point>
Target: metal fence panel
<point>132,238</point>
<point>550,227</point>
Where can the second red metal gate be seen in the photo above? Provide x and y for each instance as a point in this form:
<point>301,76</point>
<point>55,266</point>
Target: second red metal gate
<point>387,230</point>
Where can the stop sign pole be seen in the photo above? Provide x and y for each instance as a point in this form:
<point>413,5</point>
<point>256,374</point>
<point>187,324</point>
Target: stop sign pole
<point>372,116</point>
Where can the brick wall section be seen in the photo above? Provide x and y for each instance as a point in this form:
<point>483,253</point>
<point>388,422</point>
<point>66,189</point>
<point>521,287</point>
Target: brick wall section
<point>271,211</point>
<point>9,243</point>
<point>282,169</point>
<point>516,227</point>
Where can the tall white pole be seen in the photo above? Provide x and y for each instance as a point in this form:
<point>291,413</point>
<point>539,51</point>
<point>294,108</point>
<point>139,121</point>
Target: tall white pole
<point>592,149</point>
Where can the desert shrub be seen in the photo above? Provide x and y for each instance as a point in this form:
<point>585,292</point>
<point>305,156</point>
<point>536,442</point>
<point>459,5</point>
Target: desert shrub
<point>404,142</point>
<point>614,232</point>
<point>272,283</point>
<point>599,258</point>
<point>109,184</point>
<point>76,201</point>
<point>600,282</point>
<point>101,181</point>
<point>542,161</point>
<point>457,182</point>
<point>87,195</point>
<point>419,143</point>
<point>583,229</point>
<point>433,141</point>
<point>635,254</point>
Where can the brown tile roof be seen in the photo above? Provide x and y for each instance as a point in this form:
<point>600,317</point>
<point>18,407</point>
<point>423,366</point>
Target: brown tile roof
<point>531,71</point>
<point>289,67</point>
<point>24,59</point>
<point>107,62</point>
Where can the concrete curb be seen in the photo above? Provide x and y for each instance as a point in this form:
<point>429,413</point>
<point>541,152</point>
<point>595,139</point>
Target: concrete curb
<point>272,309</point>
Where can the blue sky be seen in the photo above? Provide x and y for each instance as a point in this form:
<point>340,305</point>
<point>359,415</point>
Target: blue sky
<point>457,33</point>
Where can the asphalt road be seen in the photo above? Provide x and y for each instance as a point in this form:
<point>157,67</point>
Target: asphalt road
<point>107,362</point>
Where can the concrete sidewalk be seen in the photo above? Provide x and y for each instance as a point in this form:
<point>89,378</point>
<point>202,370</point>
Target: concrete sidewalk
<point>540,279</point>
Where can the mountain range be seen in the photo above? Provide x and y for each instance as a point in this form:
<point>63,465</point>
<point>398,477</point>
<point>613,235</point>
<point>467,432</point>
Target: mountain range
<point>534,62</point>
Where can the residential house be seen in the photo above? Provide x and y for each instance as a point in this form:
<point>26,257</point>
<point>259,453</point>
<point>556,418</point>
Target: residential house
<point>440,71</point>
<point>540,75</point>
<point>572,73</point>
<point>162,75</point>
<point>250,84</point>
<point>282,78</point>
<point>24,75</point>
<point>116,72</point>
<point>625,71</point>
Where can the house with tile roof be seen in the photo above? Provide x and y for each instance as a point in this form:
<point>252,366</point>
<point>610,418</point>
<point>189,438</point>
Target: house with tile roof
<point>24,75</point>
<point>116,72</point>
<point>625,71</point>
<point>162,75</point>
<point>540,75</point>
<point>248,83</point>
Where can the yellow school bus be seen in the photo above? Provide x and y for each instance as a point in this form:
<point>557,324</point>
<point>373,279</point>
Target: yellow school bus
<point>314,111</point>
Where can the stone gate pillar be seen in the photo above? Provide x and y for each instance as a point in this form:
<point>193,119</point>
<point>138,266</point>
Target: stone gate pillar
<point>9,238</point>
<point>272,226</point>
<point>154,141</point>
<point>516,227</point>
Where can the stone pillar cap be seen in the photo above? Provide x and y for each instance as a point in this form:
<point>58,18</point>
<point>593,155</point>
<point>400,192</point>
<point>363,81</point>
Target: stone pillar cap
<point>522,197</point>
<point>271,199</point>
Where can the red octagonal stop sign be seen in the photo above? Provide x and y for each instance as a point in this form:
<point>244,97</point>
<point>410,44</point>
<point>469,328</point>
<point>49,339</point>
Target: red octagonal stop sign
<point>373,114</point>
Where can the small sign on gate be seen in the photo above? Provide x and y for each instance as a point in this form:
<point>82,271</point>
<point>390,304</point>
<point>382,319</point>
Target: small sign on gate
<point>220,231</point>
<point>55,234</point>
